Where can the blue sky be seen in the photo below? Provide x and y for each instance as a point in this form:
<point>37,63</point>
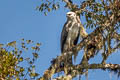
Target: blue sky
<point>20,19</point>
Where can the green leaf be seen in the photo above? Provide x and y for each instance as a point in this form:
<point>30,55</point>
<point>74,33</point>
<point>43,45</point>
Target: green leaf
<point>12,44</point>
<point>49,9</point>
<point>45,13</point>
<point>18,78</point>
<point>21,59</point>
<point>1,45</point>
<point>22,39</point>
<point>38,44</point>
<point>35,55</point>
<point>29,41</point>
<point>21,69</point>
<point>34,74</point>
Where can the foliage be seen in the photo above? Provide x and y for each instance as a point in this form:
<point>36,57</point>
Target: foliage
<point>48,6</point>
<point>103,16</point>
<point>12,61</point>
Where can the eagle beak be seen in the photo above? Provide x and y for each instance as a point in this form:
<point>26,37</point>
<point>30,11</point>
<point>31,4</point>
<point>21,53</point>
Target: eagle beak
<point>68,15</point>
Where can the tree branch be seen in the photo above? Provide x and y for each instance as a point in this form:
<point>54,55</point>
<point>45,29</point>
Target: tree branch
<point>76,68</point>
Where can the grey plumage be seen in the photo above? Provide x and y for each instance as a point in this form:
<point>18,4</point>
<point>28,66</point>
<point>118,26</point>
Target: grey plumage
<point>70,32</point>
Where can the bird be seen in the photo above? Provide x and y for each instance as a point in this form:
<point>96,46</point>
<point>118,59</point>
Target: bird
<point>70,34</point>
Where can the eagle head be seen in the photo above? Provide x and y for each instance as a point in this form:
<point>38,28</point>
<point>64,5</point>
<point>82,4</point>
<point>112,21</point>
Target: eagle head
<point>71,15</point>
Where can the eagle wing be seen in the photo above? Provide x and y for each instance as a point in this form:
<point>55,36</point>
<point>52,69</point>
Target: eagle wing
<point>69,37</point>
<point>64,35</point>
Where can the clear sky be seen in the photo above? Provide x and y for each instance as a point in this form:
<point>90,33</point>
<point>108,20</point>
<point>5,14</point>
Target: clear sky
<point>20,19</point>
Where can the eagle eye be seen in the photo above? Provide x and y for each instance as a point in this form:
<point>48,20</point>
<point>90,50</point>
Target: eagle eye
<point>69,14</point>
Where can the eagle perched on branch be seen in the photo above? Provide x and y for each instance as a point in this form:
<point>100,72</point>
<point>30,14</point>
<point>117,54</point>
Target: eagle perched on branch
<point>72,29</point>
